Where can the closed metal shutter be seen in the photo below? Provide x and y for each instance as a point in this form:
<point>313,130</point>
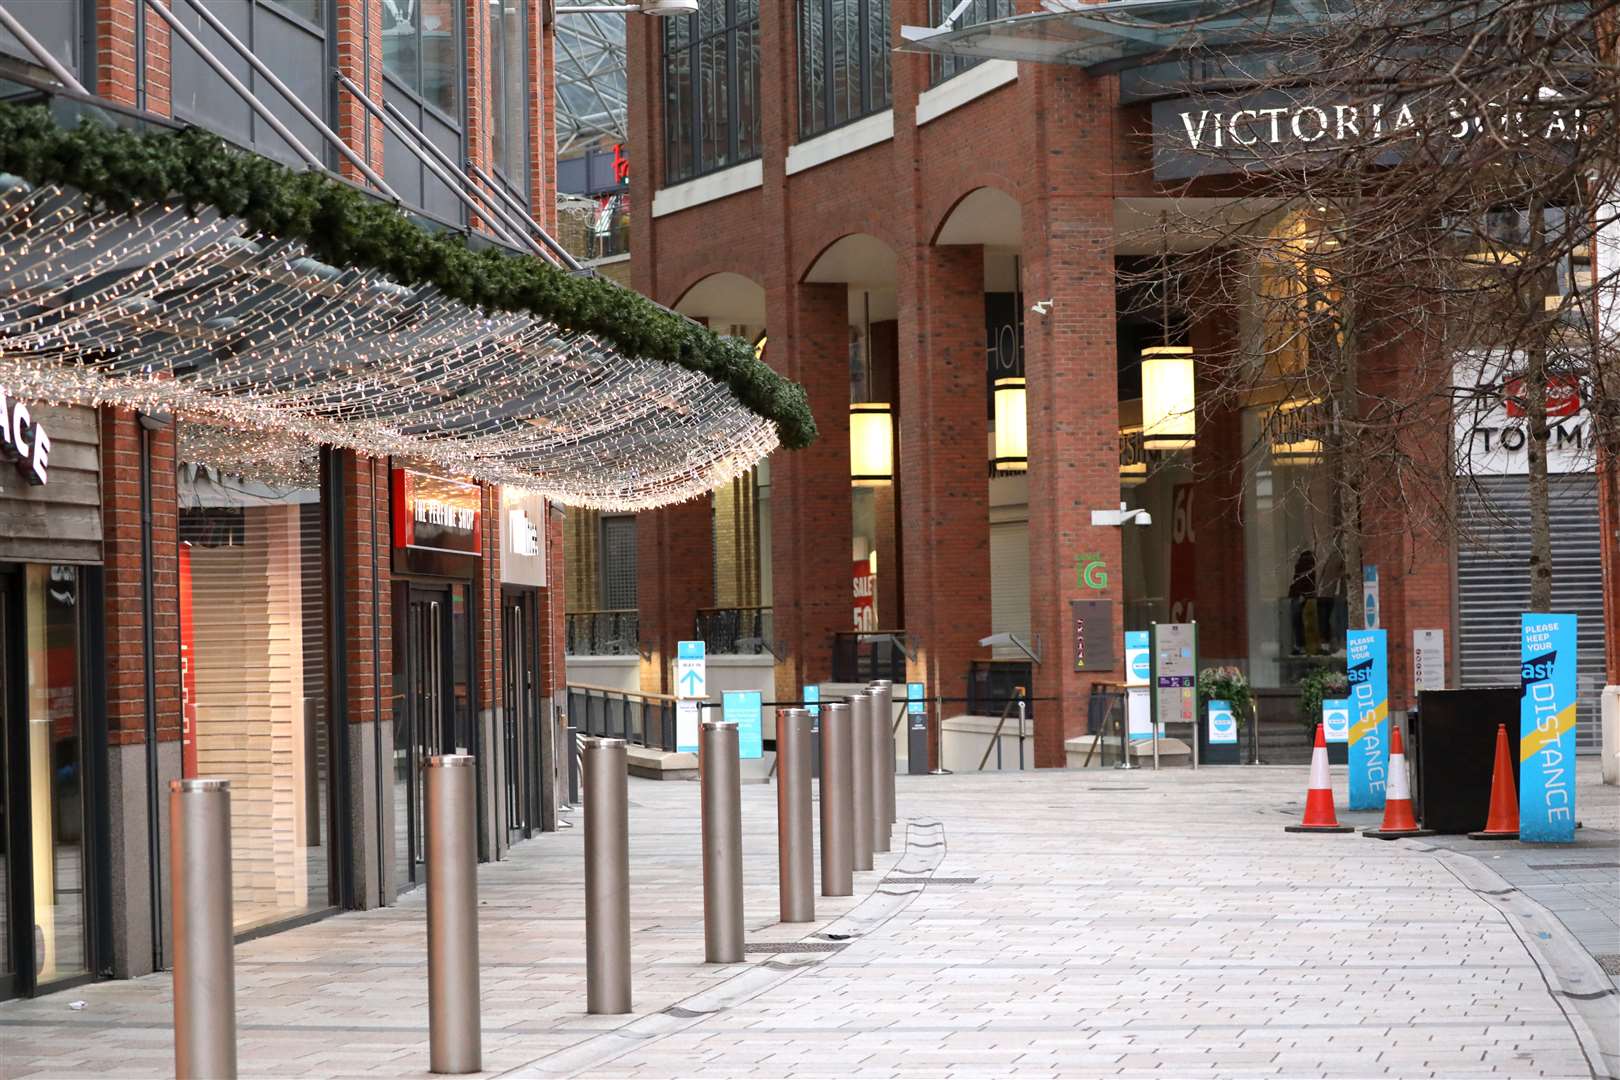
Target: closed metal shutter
<point>1009,582</point>
<point>1493,583</point>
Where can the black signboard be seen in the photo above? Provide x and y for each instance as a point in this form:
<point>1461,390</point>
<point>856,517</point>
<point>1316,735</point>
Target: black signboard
<point>1093,634</point>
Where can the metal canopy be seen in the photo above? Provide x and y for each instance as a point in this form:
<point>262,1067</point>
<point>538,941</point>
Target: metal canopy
<point>166,311</point>
<point>1121,33</point>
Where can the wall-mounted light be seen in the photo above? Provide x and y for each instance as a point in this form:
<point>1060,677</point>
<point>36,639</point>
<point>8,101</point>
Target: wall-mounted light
<point>1012,430</point>
<point>1168,405</point>
<point>871,443</point>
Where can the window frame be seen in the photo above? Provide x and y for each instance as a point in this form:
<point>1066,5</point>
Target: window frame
<point>458,118</point>
<point>942,69</point>
<point>869,105</point>
<point>732,25</point>
<point>517,185</point>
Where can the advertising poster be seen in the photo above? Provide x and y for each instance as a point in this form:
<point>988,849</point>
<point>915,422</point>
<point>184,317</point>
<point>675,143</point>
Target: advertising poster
<point>1138,658</point>
<point>1223,730</point>
<point>1368,669</point>
<point>742,707</point>
<point>865,609</point>
<point>1547,729</point>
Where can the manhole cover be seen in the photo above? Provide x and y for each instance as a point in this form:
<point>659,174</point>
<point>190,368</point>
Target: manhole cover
<point>1575,866</point>
<point>930,880</point>
<point>1610,964</point>
<point>792,946</point>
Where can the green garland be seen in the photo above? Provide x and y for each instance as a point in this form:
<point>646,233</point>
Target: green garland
<point>341,226</point>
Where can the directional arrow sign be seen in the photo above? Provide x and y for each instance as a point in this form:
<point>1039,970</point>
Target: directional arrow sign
<point>691,670</point>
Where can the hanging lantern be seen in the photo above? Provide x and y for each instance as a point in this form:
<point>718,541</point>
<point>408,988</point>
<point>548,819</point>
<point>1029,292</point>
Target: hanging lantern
<point>1168,405</point>
<point>1133,462</point>
<point>1012,432</point>
<point>871,443</point>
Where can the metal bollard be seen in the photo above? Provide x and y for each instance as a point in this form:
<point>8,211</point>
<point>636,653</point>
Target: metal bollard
<point>1023,714</point>
<point>795,850</point>
<point>204,948</point>
<point>454,1037</point>
<point>862,784</point>
<point>607,877</point>
<point>878,751</point>
<point>571,752</point>
<point>837,801</point>
<point>889,759</point>
<point>721,780</point>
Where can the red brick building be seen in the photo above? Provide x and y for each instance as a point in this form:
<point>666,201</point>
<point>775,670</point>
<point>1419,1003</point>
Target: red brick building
<point>271,515</point>
<point>908,229</point>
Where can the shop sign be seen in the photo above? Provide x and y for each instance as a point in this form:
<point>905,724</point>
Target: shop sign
<point>22,441</point>
<point>523,537</point>
<point>1490,426</point>
<point>1090,571</point>
<point>865,610</point>
<point>1367,666</point>
<point>1277,129</point>
<point>1296,430</point>
<point>435,513</point>
<point>1547,728</point>
<point>743,708</point>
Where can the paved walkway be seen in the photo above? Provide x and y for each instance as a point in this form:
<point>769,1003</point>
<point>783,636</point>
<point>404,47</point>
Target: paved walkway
<point>1066,924</point>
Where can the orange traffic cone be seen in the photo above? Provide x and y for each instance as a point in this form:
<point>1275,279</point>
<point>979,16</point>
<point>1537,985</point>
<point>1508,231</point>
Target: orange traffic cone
<point>1319,814</point>
<point>1398,819</point>
<point>1503,822</point>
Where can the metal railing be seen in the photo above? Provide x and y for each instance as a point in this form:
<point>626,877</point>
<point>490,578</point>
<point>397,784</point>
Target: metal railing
<point>605,712</point>
<point>860,657</point>
<point>735,631</point>
<point>602,633</point>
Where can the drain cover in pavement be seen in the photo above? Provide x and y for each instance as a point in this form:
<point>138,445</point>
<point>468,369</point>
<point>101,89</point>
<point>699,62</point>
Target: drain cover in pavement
<point>792,946</point>
<point>1610,964</point>
<point>930,880</point>
<point>1575,866</point>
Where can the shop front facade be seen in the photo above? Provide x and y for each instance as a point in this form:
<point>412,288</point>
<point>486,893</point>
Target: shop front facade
<point>961,248</point>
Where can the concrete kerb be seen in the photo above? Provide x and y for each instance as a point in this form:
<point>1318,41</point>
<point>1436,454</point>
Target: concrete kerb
<point>924,850</point>
<point>1583,992</point>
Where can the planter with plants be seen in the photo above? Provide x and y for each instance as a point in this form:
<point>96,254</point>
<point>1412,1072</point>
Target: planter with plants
<point>1226,684</point>
<point>1323,683</point>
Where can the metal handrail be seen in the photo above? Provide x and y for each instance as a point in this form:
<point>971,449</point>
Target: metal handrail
<point>995,739</point>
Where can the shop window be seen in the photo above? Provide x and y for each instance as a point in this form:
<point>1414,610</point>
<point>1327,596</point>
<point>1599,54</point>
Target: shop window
<point>1294,573</point>
<point>291,37</point>
<point>62,26</point>
<point>509,89</point>
<point>844,62</point>
<point>253,651</point>
<point>711,89</point>
<point>941,68</point>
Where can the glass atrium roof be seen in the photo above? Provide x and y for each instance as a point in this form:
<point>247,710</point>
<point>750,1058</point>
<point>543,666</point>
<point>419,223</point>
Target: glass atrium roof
<point>592,96</point>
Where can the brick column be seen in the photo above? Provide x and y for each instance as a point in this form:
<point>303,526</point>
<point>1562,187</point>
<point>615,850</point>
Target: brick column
<point>674,577</point>
<point>131,871</point>
<point>117,55</point>
<point>1071,361</point>
<point>943,477</point>
<point>368,659</point>
<point>811,519</point>
<point>364,66</point>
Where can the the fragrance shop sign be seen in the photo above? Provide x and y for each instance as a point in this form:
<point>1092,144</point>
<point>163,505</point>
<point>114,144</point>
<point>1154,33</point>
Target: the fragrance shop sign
<point>437,527</point>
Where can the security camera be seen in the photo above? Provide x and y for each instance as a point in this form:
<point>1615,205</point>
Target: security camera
<point>1041,307</point>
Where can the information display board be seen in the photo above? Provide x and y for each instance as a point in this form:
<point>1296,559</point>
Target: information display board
<point>1175,673</point>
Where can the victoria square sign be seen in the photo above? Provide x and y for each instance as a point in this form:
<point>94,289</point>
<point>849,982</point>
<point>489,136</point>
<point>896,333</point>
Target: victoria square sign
<point>1277,128</point>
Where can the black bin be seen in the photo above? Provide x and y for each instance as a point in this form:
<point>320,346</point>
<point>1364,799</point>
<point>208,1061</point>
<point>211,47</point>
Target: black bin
<point>1453,750</point>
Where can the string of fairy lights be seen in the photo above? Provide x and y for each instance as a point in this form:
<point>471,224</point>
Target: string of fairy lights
<point>267,353</point>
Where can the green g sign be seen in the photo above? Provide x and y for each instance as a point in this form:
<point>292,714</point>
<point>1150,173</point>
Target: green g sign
<point>1090,572</point>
